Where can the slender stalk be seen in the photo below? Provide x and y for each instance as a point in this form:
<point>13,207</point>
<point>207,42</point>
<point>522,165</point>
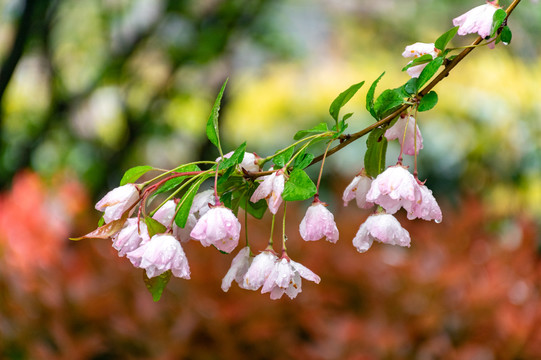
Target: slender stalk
<point>284,237</point>
<point>316,196</point>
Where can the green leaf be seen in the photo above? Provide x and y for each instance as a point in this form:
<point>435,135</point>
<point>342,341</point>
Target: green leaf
<point>131,175</point>
<point>428,101</point>
<point>213,132</point>
<point>411,86</point>
<point>186,203</point>
<point>497,21</point>
<point>506,35</point>
<point>429,71</point>
<point>154,226</point>
<point>299,186</point>
<point>444,39</point>
<point>343,99</point>
<point>376,150</point>
<point>257,209</point>
<point>101,221</point>
<point>225,176</point>
<point>234,159</point>
<point>387,102</point>
<point>318,129</point>
<point>281,159</point>
<point>418,61</point>
<point>370,96</point>
<point>174,182</point>
<point>157,284</point>
<point>303,160</point>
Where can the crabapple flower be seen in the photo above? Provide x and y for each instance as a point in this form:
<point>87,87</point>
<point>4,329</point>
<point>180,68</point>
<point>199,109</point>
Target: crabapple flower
<point>394,188</point>
<point>238,269</point>
<point>163,252</point>
<point>357,189</point>
<point>477,20</point>
<point>201,203</point>
<point>383,228</point>
<point>318,223</point>
<point>285,277</point>
<point>271,189</point>
<point>259,270</point>
<point>117,201</point>
<point>409,144</point>
<point>427,208</point>
<point>218,227</point>
<point>249,161</point>
<point>417,50</point>
<point>131,236</point>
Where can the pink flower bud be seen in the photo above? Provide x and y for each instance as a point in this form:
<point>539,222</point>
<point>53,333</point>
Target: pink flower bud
<point>408,142</point>
<point>271,189</point>
<point>383,228</point>
<point>249,161</point>
<point>117,201</point>
<point>357,189</point>
<point>417,50</point>
<point>477,20</point>
<point>218,227</point>
<point>318,223</point>
<point>238,269</point>
<point>131,237</point>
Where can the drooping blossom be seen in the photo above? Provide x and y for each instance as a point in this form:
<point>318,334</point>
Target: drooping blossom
<point>394,188</point>
<point>163,252</point>
<point>249,161</point>
<point>417,50</point>
<point>202,202</point>
<point>409,145</point>
<point>318,223</point>
<point>477,20</point>
<point>131,236</point>
<point>285,277</point>
<point>271,189</point>
<point>357,189</point>
<point>259,270</point>
<point>238,269</point>
<point>427,208</point>
<point>218,227</point>
<point>383,228</point>
<point>117,201</point>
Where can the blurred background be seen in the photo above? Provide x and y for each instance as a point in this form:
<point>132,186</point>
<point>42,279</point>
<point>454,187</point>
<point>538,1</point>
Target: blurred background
<point>90,88</point>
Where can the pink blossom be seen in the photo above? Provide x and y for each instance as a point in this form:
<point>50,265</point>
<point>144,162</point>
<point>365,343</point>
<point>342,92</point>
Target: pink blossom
<point>477,20</point>
<point>201,203</point>
<point>271,189</point>
<point>394,188</point>
<point>117,201</point>
<point>383,228</point>
<point>130,237</point>
<point>408,144</point>
<point>259,270</point>
<point>318,223</point>
<point>285,277</point>
<point>358,188</point>
<point>249,161</point>
<point>163,252</point>
<point>238,269</point>
<point>427,208</point>
<point>417,50</point>
<point>166,214</point>
<point>218,227</point>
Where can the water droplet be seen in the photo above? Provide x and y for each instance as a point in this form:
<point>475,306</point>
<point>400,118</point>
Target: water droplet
<point>437,221</point>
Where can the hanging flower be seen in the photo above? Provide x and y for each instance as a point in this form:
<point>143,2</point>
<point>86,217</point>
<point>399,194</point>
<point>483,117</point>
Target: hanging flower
<point>285,277</point>
<point>427,208</point>
<point>117,201</point>
<point>259,270</point>
<point>318,223</point>
<point>218,227</point>
<point>249,161</point>
<point>271,189</point>
<point>357,189</point>
<point>383,228</point>
<point>477,20</point>
<point>163,252</point>
<point>417,50</point>
<point>130,237</point>
<point>238,269</point>
<point>409,145</point>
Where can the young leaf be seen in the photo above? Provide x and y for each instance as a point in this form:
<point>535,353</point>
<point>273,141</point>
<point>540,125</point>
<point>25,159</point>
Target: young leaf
<point>387,102</point>
<point>428,101</point>
<point>257,209</point>
<point>157,284</point>
<point>154,227</point>
<point>213,133</point>
<point>174,182</point>
<point>303,160</point>
<point>426,58</point>
<point>186,204</point>
<point>429,71</point>
<point>281,159</point>
<point>131,175</point>
<point>497,21</point>
<point>299,186</point>
<point>370,96</point>
<point>506,35</point>
<point>318,129</point>
<point>234,159</point>
<point>376,150</point>
<point>444,39</point>
<point>411,86</point>
<point>342,100</point>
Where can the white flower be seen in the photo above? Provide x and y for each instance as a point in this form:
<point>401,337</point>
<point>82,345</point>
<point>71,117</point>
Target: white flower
<point>218,227</point>
<point>357,189</point>
<point>202,202</point>
<point>477,20</point>
<point>383,228</point>
<point>427,208</point>
<point>118,201</point>
<point>318,223</point>
<point>259,270</point>
<point>130,237</point>
<point>408,142</point>
<point>238,269</point>
<point>417,50</point>
<point>249,161</point>
<point>285,277</point>
<point>271,189</point>
<point>163,252</point>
